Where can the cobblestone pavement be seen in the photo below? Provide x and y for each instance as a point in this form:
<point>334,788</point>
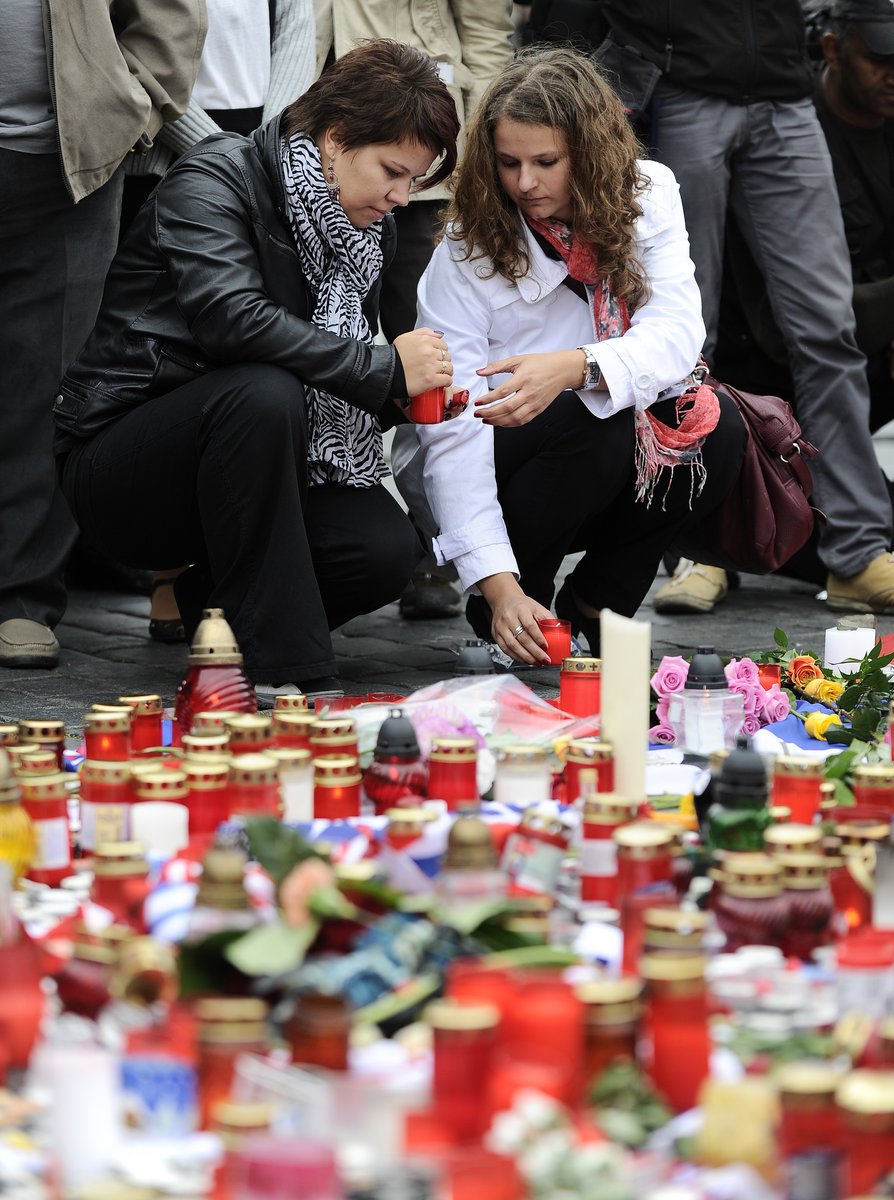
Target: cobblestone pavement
<point>106,650</point>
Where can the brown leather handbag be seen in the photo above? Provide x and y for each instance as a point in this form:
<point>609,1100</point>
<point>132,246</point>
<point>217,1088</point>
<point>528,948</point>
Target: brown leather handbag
<point>767,515</point>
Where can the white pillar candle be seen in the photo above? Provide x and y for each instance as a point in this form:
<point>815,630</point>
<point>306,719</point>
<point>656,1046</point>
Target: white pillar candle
<point>297,783</point>
<point>84,1116</point>
<point>626,668</point>
<point>842,644</point>
<point>161,825</point>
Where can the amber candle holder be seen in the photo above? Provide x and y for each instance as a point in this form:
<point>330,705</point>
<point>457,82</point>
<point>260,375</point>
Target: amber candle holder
<point>452,772</point>
<point>580,686</point>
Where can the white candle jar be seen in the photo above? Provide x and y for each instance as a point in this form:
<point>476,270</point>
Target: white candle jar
<point>705,720</point>
<point>523,775</point>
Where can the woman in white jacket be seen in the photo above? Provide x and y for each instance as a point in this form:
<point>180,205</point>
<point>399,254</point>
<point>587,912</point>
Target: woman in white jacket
<point>565,266</point>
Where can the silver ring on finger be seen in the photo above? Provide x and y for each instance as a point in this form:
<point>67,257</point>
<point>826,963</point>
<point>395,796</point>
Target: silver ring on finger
<point>518,631</point>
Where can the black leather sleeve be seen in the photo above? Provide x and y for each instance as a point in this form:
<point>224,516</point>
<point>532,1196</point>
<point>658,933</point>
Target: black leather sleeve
<point>205,235</point>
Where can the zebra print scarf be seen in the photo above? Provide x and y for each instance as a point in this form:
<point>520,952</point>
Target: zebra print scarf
<point>340,264</point>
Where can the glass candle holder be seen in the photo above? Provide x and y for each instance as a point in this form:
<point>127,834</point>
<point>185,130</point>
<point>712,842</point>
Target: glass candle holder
<point>557,634</point>
<point>336,787</point>
<point>603,813</point>
<point>105,803</point>
<point>612,1009</point>
<point>296,782</point>
<point>811,1137</point>
<point>796,785</point>
<point>452,772</point>
<point>121,882</point>
<point>147,713</point>
<point>464,1044</point>
<point>49,735</point>
<point>580,686</point>
<point>291,729</point>
<point>677,1020</point>
<point>811,908</point>
<point>207,795</point>
<point>704,720</point>
<point>228,1027</point>
<point>319,1031</point>
<point>749,907</point>
<point>588,754</point>
<point>215,678</point>
<point>45,800</point>
<point>334,735</point>
<point>866,1102</point>
<point>873,784</point>
<point>534,852</point>
<point>249,733</point>
<point>523,775</point>
<point>107,736</point>
<point>254,785</point>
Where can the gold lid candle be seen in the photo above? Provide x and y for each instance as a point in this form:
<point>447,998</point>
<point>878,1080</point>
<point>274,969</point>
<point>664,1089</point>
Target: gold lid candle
<point>249,733</point>
<point>603,813</point>
<point>254,784</point>
<point>208,794</point>
<point>749,906</point>
<point>588,754</point>
<point>202,745</point>
<point>791,837</point>
<point>49,735</point>
<point>452,772</point>
<point>120,881</point>
<point>873,784</point>
<point>293,703</point>
<point>107,735</point>
<point>296,780</point>
<point>147,712</point>
<point>333,735</point>
<point>291,729</point>
<point>796,784</point>
<point>336,787</point>
<point>211,723</point>
<point>105,802</point>
<point>45,800</point>
<point>9,735</point>
<point>580,683</point>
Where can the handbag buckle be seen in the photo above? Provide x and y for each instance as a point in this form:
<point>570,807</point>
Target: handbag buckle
<point>796,449</point>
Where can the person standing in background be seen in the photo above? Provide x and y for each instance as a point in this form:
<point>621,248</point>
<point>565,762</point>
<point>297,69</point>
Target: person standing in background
<point>259,56</point>
<point>470,41</point>
<point>68,119</point>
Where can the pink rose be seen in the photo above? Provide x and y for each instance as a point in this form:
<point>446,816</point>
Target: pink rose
<point>750,725</point>
<point>670,676</point>
<point>743,670</point>
<point>776,705</point>
<point>752,694</point>
<point>661,709</point>
<point>661,735</point>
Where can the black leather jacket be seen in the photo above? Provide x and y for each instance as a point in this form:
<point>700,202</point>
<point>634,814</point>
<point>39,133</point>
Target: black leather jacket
<point>208,276</point>
<point>739,49</point>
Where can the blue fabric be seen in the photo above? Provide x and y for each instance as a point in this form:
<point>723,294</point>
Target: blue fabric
<point>791,729</point>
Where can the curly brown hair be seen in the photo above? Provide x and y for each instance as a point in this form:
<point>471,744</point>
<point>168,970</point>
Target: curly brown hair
<point>565,91</point>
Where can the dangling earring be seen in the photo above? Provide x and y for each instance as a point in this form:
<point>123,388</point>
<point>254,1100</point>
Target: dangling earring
<point>332,181</point>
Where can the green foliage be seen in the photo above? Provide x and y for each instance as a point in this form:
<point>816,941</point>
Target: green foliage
<point>201,965</point>
<point>272,949</point>
<point>629,1109</point>
<point>276,847</point>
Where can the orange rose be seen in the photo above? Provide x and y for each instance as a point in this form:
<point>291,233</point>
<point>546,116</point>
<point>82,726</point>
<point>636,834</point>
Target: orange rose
<point>802,669</point>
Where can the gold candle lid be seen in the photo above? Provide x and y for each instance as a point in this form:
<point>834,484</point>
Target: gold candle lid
<point>449,1015</point>
<point>791,836</point>
<point>751,876</point>
<point>608,808</point>
<point>197,745</point>
<point>163,784</point>
<point>879,775</point>
<point>470,846</point>
<point>293,703</point>
<point>230,1116</point>
<point>679,920</point>
<point>94,770</point>
<point>522,752</point>
<point>545,818</point>
<point>290,756</point>
<point>780,814</point>
<point>111,859</point>
<point>324,728</point>
<point>9,735</point>
<point>332,770</point>
<point>808,1078</point>
<point>247,729</point>
<point>10,790</point>
<point>41,731</point>
<point>458,749</point>
<point>214,642</point>
<point>99,946</point>
<point>643,839</point>
<point>222,883</point>
<point>667,968</point>
<point>44,787</point>
<point>146,973</point>
<point>867,1092</point>
<point>799,765</point>
<point>117,721</point>
<point>204,776</point>
<point>408,821</point>
<point>610,991</point>
<point>257,769</point>
<point>588,750</point>
<point>803,872</point>
<point>582,665</point>
<point>861,830</point>
<point>293,721</point>
<point>211,723</point>
<point>38,762</point>
<point>150,705</point>
<point>230,1009</point>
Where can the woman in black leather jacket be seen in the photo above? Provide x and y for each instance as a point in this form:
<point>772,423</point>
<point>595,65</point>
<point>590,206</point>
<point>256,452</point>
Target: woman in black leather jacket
<point>227,409</point>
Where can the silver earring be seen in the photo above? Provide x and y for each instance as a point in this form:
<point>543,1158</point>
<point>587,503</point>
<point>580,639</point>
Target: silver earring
<point>332,181</point>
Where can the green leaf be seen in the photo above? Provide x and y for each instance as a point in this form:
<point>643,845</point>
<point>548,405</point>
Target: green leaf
<point>201,964</point>
<point>276,847</point>
<point>466,918</point>
<point>780,637</point>
<point>272,949</point>
<point>392,1004</point>
<point>328,902</point>
<point>843,794</point>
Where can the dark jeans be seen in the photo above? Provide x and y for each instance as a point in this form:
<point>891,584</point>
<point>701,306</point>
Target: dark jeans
<point>566,483</point>
<point>214,474</point>
<point>53,261</point>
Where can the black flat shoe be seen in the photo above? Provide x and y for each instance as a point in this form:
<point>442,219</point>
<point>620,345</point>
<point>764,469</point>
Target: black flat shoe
<point>580,622</point>
<point>168,630</point>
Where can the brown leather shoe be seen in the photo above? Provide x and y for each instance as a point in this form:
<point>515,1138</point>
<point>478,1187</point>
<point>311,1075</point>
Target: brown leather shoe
<point>869,591</point>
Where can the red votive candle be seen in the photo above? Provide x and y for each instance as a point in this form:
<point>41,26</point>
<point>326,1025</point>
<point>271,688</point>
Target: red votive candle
<point>254,785</point>
<point>48,735</point>
<point>250,733</point>
<point>465,1038</point>
<point>866,1102</point>
<point>336,787</point>
<point>145,722</point>
<point>580,686</point>
<point>452,772</point>
<point>45,800</point>
<point>107,736</point>
<point>427,408</point>
<point>677,1017</point>
<point>544,1025</point>
<point>165,783</point>
<point>558,638</point>
<point>208,795</point>
<point>603,813</point>
<point>333,735</point>
<point>121,882</point>
<point>105,803</point>
<point>873,784</point>
<point>588,754</point>
<point>291,729</point>
<point>769,675</point>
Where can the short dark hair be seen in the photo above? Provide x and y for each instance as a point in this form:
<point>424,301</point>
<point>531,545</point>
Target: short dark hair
<point>381,91</point>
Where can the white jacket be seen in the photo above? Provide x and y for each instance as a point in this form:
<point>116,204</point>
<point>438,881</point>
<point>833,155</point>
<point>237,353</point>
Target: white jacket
<point>487,319</point>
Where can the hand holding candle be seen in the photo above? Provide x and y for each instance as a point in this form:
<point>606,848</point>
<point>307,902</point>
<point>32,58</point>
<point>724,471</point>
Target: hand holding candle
<point>515,623</point>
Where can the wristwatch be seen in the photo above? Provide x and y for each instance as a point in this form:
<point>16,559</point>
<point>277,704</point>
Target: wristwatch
<point>592,371</point>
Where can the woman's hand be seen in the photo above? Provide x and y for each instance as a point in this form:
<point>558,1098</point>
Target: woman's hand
<point>425,359</point>
<point>514,625</point>
<point>536,381</point>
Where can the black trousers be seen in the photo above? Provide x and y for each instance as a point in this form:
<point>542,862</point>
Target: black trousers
<point>214,474</point>
<point>566,482</point>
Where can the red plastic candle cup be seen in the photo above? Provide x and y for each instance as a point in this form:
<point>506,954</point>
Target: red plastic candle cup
<point>558,639</point>
<point>796,786</point>
<point>336,787</point>
<point>469,981</point>
<point>105,803</point>
<point>588,755</point>
<point>107,736</point>
<point>291,730</point>
<point>145,722</point>
<point>427,408</point>
<point>333,735</point>
<point>677,1021</point>
<point>866,1101</point>
<point>121,882</point>
<point>465,1038</point>
<point>769,675</point>
<point>249,733</point>
<point>208,795</point>
<point>254,785</point>
<point>452,772</point>
<point>45,800</point>
<point>603,813</point>
<point>873,785</point>
<point>544,1025</point>
<point>580,686</point>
